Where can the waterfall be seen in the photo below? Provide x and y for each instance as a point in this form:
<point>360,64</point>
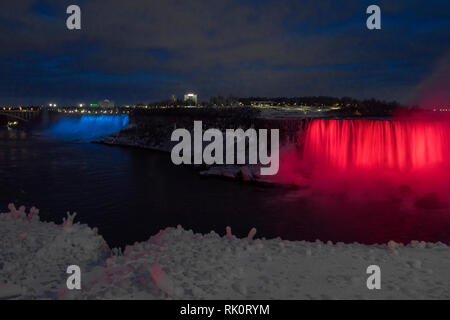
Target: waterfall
<point>87,127</point>
<point>372,144</point>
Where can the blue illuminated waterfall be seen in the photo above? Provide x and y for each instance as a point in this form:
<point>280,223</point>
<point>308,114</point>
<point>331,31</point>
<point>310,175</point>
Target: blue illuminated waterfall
<point>87,127</point>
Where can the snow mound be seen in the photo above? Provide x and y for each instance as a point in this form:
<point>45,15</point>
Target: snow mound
<point>179,264</point>
<point>34,255</point>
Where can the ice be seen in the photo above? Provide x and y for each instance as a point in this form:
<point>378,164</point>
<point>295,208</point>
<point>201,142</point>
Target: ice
<point>252,233</point>
<point>164,282</point>
<point>229,234</point>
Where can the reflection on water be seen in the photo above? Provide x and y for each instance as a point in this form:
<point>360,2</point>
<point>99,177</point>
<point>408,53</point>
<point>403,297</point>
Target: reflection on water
<point>131,194</point>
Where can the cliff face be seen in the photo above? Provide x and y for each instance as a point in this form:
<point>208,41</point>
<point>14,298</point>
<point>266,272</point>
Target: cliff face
<point>154,131</point>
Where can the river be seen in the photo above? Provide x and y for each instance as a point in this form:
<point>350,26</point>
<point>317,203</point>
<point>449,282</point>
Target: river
<point>130,194</point>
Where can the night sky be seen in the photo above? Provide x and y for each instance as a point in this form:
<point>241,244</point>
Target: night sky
<point>145,50</point>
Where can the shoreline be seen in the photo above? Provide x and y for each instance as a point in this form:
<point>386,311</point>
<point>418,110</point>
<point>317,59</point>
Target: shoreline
<point>243,173</point>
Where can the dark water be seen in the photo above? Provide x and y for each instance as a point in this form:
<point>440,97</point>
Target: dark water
<point>130,194</point>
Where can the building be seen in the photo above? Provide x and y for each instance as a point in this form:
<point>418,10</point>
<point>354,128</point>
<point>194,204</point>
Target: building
<point>191,98</point>
<point>106,104</point>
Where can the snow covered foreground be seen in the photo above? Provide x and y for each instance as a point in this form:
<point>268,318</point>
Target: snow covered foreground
<point>178,264</point>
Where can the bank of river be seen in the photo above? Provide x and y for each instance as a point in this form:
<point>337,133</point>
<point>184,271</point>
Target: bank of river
<point>132,193</point>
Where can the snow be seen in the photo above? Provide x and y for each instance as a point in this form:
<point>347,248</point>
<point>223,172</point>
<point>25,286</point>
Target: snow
<point>34,255</point>
<point>247,173</point>
<point>179,264</point>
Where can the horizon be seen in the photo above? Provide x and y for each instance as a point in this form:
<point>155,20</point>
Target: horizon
<point>146,52</point>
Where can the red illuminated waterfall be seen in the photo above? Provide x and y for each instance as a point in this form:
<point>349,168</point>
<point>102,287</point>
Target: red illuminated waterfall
<point>399,144</point>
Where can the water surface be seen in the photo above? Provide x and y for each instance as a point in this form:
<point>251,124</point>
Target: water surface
<point>130,194</point>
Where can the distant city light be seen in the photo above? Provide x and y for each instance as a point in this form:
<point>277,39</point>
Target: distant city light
<point>191,97</point>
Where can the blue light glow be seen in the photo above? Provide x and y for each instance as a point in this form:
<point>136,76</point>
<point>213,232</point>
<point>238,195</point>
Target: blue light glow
<point>87,127</point>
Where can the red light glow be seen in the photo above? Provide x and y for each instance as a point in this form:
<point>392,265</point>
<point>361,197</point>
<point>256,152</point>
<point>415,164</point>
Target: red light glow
<point>383,144</point>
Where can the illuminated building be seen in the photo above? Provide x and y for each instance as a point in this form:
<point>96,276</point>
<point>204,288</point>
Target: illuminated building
<point>191,97</point>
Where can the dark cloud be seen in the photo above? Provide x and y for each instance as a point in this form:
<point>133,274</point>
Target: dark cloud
<point>144,50</point>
